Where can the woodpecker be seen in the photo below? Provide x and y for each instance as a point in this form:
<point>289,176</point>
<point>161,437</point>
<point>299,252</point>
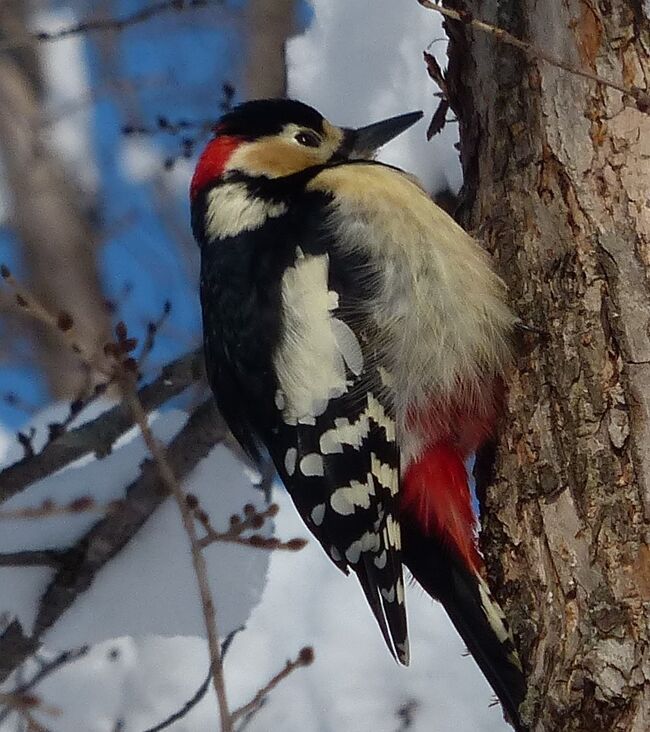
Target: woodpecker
<point>355,332</point>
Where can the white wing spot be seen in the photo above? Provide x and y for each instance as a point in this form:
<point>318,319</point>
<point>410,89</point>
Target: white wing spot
<point>279,400</point>
<point>385,474</point>
<point>389,595</point>
<point>399,587</point>
<point>377,413</point>
<point>345,433</point>
<point>392,532</point>
<point>380,560</point>
<point>312,465</point>
<point>369,542</point>
<point>318,513</point>
<point>290,460</point>
<point>345,500</point>
<point>335,554</point>
<point>493,612</point>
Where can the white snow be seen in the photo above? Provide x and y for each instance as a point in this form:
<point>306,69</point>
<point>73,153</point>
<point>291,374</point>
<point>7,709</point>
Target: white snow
<point>149,587</point>
<point>353,683</point>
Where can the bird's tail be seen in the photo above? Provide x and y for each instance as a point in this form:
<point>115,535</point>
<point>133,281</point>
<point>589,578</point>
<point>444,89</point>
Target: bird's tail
<point>436,534</point>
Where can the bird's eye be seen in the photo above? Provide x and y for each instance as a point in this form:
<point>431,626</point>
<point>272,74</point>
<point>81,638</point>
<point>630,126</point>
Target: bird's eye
<point>307,138</point>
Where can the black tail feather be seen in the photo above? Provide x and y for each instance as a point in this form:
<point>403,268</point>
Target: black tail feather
<point>444,577</point>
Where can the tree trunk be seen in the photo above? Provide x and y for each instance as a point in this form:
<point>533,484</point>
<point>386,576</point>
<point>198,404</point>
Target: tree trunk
<point>57,239</point>
<point>269,24</point>
<point>557,187</point>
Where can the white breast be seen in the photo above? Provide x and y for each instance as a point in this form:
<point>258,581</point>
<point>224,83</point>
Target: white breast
<point>440,311</point>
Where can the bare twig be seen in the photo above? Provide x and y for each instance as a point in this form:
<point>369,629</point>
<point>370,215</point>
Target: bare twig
<point>304,658</point>
<point>46,669</point>
<point>251,520</point>
<point>24,705</point>
<point>640,96</point>
<point>108,24</point>
<point>48,508</point>
<point>200,692</point>
<point>112,533</point>
<point>198,560</point>
<point>33,558</point>
<point>61,323</point>
<point>99,435</point>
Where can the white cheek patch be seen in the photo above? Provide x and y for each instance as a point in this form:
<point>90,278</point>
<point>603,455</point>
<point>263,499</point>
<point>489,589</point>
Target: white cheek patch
<point>231,210</point>
<point>316,347</point>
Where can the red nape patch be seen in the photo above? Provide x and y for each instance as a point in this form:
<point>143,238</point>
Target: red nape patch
<point>436,493</point>
<point>213,161</point>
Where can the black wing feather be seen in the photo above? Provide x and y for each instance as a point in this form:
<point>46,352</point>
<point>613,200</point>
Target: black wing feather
<point>243,326</point>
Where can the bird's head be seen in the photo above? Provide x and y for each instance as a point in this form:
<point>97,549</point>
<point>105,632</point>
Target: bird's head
<point>275,138</point>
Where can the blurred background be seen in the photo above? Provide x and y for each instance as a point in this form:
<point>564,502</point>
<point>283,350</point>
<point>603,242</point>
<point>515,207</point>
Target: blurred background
<point>104,107</point>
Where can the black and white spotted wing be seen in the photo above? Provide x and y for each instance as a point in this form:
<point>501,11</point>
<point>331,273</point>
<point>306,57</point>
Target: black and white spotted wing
<point>290,358</point>
<point>334,440</point>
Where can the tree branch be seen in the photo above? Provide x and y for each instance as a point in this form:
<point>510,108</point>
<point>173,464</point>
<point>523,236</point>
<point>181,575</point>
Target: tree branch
<point>171,483</point>
<point>99,435</point>
<point>107,537</point>
<point>640,96</point>
<point>108,24</point>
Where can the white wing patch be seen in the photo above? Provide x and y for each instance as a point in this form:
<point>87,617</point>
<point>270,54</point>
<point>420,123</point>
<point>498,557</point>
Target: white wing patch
<point>315,347</point>
<point>231,210</point>
<point>312,465</point>
<point>290,461</point>
<point>369,542</point>
<point>345,433</point>
<point>345,500</point>
<point>385,474</point>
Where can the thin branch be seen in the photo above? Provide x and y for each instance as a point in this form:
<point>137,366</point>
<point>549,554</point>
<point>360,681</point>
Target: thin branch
<point>640,96</point>
<point>200,692</point>
<point>46,669</point>
<point>108,24</point>
<point>252,520</point>
<point>61,323</point>
<point>99,435</point>
<point>48,508</point>
<point>24,705</point>
<point>112,533</point>
<point>170,481</point>
<point>304,658</point>
<point>33,558</point>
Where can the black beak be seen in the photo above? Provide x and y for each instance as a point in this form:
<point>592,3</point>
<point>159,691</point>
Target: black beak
<point>364,141</point>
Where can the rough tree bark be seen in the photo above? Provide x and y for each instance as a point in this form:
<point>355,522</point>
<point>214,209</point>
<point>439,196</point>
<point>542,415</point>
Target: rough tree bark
<point>557,186</point>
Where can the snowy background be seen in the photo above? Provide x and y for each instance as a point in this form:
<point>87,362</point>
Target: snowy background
<point>357,61</point>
